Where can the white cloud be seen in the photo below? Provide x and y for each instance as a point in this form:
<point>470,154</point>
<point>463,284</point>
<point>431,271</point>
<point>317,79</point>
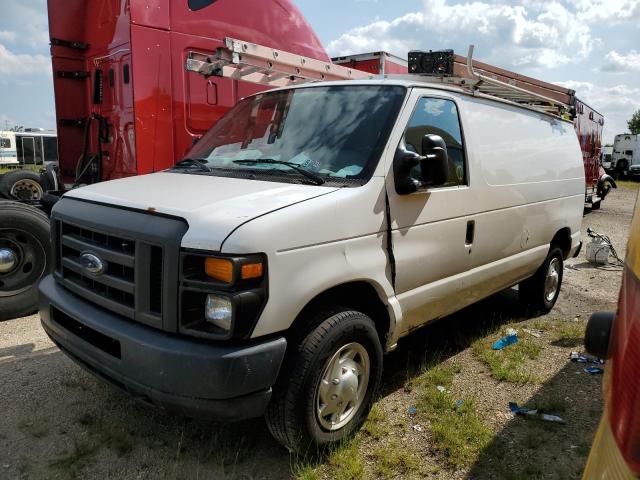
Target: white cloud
<point>12,64</point>
<point>622,62</point>
<point>544,34</point>
<point>616,103</point>
<point>7,35</point>
<point>607,11</point>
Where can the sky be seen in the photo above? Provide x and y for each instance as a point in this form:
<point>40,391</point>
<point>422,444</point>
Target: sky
<point>591,46</point>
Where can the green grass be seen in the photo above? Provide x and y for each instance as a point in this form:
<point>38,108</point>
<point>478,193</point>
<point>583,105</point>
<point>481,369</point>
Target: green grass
<point>628,184</point>
<point>511,364</point>
<point>568,334</point>
<point>375,426</point>
<point>394,461</point>
<point>458,433</point>
<point>304,471</point>
<point>345,462</point>
<point>34,168</point>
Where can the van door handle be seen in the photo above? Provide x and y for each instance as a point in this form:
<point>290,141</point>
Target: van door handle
<point>471,231</point>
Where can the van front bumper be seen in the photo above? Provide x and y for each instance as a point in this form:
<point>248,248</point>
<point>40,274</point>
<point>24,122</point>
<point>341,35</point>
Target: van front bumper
<point>170,371</point>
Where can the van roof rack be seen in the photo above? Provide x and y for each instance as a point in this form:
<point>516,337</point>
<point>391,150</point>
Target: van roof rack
<point>267,66</point>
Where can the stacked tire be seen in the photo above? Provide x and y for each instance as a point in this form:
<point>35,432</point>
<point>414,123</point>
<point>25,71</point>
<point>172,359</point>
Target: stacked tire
<point>24,257</point>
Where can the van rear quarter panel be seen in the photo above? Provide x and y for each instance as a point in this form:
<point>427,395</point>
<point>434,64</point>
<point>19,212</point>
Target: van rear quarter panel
<point>527,171</point>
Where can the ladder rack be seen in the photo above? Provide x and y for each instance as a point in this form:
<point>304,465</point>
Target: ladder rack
<point>250,62</point>
<point>255,63</point>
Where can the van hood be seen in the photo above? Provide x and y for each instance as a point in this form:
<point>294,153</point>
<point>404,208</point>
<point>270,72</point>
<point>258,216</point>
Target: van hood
<point>212,206</point>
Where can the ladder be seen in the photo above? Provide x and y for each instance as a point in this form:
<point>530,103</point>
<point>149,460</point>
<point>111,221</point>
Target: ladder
<point>255,63</point>
<point>250,62</point>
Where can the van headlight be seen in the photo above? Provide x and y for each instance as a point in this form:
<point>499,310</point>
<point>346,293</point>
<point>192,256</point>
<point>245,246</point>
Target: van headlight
<point>218,310</point>
<point>221,296</point>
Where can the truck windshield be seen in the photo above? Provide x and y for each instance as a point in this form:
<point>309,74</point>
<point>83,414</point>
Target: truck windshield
<point>333,133</point>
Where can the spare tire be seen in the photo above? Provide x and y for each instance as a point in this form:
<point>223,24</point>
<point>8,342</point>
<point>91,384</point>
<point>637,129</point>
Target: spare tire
<point>25,257</point>
<point>22,185</point>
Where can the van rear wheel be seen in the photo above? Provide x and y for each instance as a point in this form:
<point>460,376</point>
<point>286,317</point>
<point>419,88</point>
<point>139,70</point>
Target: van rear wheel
<point>328,382</point>
<point>541,290</point>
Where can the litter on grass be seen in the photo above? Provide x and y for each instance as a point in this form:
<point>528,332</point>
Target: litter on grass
<point>441,389</point>
<point>577,357</point>
<point>459,404</point>
<point>509,339</point>
<point>594,370</point>
<point>417,427</point>
<point>534,413</point>
<point>412,410</point>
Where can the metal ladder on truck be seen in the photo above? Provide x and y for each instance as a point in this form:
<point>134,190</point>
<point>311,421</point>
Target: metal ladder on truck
<point>250,62</point>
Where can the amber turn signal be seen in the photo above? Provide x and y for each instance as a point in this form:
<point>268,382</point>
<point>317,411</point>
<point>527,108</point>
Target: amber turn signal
<point>251,270</point>
<point>219,269</point>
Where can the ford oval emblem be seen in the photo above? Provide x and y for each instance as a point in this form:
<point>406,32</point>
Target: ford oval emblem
<point>92,263</point>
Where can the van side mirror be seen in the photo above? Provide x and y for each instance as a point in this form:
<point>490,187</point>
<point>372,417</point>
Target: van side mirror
<point>434,166</point>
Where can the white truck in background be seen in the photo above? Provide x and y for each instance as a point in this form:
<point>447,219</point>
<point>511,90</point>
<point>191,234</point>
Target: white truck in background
<point>626,154</point>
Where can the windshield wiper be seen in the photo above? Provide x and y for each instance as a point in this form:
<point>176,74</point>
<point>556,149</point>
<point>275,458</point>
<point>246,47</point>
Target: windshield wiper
<point>192,162</point>
<point>317,179</point>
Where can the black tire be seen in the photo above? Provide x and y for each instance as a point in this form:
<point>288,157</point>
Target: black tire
<point>24,231</point>
<point>291,416</point>
<point>596,205</point>
<point>533,291</point>
<point>22,185</point>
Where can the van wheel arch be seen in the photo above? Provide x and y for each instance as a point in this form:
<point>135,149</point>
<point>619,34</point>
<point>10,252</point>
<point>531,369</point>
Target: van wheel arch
<point>361,296</point>
<point>562,240</point>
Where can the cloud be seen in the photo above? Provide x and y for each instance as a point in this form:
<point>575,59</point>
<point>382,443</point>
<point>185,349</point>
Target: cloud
<point>621,62</point>
<point>617,103</point>
<point>544,34</point>
<point>7,36</point>
<point>17,64</point>
<point>610,12</point>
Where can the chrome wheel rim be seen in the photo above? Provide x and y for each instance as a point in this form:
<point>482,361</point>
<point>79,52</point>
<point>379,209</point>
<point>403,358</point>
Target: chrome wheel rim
<point>25,261</point>
<point>553,280</point>
<point>343,386</point>
<point>27,189</point>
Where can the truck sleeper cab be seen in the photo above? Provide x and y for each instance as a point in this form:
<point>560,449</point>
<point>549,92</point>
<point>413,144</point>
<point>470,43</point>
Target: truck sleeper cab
<point>301,237</point>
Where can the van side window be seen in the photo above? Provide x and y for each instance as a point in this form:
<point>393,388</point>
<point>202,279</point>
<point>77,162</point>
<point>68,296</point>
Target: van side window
<point>440,117</point>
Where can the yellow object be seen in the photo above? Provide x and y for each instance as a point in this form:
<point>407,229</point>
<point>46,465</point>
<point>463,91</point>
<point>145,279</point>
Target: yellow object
<point>219,269</point>
<point>251,270</point>
<point>605,460</point>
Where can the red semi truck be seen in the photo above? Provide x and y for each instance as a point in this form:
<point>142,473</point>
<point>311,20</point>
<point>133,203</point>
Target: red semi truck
<point>127,105</point>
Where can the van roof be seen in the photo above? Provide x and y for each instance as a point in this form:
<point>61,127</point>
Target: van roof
<point>408,82</point>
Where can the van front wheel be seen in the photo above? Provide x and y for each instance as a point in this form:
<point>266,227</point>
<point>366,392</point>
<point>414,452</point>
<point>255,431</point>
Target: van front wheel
<point>541,291</point>
<point>328,382</point>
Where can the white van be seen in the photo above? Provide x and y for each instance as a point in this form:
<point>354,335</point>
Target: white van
<point>29,147</point>
<point>307,231</point>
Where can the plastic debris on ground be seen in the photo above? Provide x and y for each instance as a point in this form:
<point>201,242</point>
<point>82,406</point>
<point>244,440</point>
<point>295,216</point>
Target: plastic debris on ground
<point>509,339</point>
<point>459,404</point>
<point>417,427</point>
<point>534,413</point>
<point>594,370</point>
<point>441,389</point>
<point>412,410</point>
<point>577,357</point>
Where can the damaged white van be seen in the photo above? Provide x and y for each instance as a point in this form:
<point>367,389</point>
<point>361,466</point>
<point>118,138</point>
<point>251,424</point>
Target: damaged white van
<point>311,228</point>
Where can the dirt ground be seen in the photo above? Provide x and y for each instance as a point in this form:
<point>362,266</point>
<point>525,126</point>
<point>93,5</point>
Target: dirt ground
<point>59,422</point>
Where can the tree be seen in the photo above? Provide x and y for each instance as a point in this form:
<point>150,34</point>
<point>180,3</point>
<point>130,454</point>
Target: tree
<point>634,123</point>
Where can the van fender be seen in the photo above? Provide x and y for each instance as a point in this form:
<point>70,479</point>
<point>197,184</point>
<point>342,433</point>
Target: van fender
<point>605,184</point>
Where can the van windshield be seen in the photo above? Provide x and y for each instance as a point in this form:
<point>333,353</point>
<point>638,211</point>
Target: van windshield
<point>336,133</point>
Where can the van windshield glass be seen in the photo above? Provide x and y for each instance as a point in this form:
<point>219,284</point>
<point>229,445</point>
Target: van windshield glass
<point>336,133</point>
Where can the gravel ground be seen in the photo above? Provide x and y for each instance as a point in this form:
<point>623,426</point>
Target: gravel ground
<point>59,422</point>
